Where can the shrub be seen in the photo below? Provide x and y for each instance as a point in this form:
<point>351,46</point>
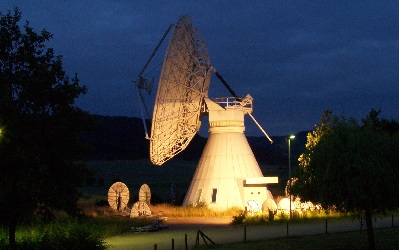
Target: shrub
<point>56,235</point>
<point>239,218</point>
<point>271,215</point>
<point>201,204</point>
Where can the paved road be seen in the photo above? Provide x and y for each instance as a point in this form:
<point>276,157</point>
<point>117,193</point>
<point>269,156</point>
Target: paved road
<point>224,233</point>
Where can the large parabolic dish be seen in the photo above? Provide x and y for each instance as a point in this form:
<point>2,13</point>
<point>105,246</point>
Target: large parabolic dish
<point>183,84</point>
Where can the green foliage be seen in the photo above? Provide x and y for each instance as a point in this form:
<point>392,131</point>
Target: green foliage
<point>313,139</point>
<point>201,204</point>
<point>57,235</point>
<point>40,152</point>
<point>239,218</point>
<point>271,215</point>
<point>278,217</point>
<point>116,225</point>
<point>259,218</point>
<point>352,167</point>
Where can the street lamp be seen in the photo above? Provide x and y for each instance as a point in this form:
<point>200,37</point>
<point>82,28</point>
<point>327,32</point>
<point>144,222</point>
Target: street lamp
<point>291,137</point>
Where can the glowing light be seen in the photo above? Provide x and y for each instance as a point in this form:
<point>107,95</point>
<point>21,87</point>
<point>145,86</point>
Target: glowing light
<point>284,205</point>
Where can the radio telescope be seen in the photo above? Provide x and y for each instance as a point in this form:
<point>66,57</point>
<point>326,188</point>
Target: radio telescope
<point>227,174</point>
<point>183,84</point>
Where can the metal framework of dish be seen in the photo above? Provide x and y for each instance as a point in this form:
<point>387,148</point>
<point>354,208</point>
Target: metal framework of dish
<point>145,194</point>
<point>118,196</point>
<point>183,83</point>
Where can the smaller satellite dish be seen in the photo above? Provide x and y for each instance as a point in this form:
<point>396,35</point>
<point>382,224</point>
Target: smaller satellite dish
<point>269,205</point>
<point>118,196</point>
<point>253,207</point>
<point>140,209</point>
<point>145,194</point>
<point>284,205</point>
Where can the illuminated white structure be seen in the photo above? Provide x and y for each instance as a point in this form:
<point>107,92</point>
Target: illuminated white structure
<point>227,174</point>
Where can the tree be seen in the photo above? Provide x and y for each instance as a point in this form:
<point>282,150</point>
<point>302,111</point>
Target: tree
<point>352,167</point>
<point>40,154</point>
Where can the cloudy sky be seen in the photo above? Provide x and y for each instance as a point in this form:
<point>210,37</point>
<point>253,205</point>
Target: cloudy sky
<point>295,58</point>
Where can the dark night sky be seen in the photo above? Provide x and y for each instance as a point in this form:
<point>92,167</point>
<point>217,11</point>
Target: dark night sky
<point>296,58</point>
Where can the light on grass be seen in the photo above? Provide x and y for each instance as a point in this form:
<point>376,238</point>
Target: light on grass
<point>190,211</point>
<point>284,215</point>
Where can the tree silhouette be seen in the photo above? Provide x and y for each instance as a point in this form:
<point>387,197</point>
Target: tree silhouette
<point>351,167</point>
<point>40,154</point>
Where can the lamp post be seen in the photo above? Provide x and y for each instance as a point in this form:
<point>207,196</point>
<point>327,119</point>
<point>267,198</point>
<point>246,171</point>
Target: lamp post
<point>289,168</point>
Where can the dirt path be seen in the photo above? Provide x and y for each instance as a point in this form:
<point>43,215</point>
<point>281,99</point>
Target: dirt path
<point>220,231</point>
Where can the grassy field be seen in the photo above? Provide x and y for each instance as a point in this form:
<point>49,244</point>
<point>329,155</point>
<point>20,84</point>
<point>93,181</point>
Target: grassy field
<point>387,238</point>
<point>134,173</point>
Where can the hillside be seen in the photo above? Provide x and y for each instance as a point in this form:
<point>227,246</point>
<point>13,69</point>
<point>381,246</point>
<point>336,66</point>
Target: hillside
<point>122,138</point>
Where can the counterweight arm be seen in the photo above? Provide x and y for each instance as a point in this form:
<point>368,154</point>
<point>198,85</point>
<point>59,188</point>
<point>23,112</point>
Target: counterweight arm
<point>239,99</point>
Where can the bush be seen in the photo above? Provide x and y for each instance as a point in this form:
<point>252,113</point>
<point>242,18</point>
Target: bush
<point>71,236</point>
<point>271,215</point>
<point>239,218</point>
<point>56,235</point>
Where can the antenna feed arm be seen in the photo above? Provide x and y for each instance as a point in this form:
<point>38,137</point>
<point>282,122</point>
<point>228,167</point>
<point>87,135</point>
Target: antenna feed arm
<point>260,127</point>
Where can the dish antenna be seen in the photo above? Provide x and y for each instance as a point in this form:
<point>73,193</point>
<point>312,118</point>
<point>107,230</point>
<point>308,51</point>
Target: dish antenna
<point>141,207</point>
<point>145,194</point>
<point>228,174</point>
<point>118,196</point>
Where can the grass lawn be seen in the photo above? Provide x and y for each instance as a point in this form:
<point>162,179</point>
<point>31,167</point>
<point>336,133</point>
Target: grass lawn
<point>387,238</point>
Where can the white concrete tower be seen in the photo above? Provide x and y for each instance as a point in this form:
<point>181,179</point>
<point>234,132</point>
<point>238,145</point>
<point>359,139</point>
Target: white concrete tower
<point>228,174</point>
